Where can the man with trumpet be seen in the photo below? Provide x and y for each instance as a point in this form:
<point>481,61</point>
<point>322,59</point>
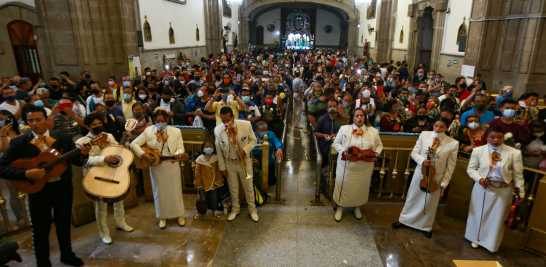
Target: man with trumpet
<point>234,143</point>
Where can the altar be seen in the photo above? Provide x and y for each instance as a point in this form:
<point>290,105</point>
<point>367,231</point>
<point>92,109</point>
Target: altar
<point>298,32</point>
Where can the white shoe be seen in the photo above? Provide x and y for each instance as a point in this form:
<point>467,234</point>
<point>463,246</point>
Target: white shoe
<point>232,216</point>
<point>162,223</point>
<point>106,240</point>
<point>119,214</point>
<point>125,227</point>
<point>358,213</point>
<point>181,221</point>
<point>254,217</point>
<point>339,213</point>
<point>474,245</point>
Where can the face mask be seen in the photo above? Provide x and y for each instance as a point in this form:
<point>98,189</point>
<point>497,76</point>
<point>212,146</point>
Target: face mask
<point>410,89</point>
<point>11,98</point>
<point>424,90</point>
<point>208,150</point>
<point>126,84</point>
<point>98,130</point>
<point>200,93</point>
<point>95,91</point>
<point>403,97</point>
<point>319,70</point>
<point>266,72</point>
<point>269,101</point>
<point>54,87</point>
<point>127,97</point>
<point>262,135</point>
<point>389,80</point>
<point>87,77</point>
<point>111,83</point>
<point>339,66</point>
<point>187,64</point>
<point>42,85</point>
<point>473,125</point>
<point>197,78</point>
<point>345,104</point>
<point>166,83</point>
<point>109,103</point>
<point>253,71</point>
<point>538,134</point>
<point>508,113</point>
<point>420,75</point>
<point>226,81</point>
<point>287,65</point>
<point>246,99</point>
<point>522,104</point>
<point>39,103</point>
<point>395,110</point>
<point>142,96</point>
<point>166,100</point>
<point>431,77</point>
<point>509,94</point>
<point>422,117</point>
<point>138,114</point>
<point>332,111</point>
<point>491,108</point>
<point>153,77</point>
<point>463,85</point>
<point>250,61</point>
<point>161,126</point>
<point>228,125</point>
<point>438,80</point>
<point>479,107</point>
<point>148,73</point>
<point>224,97</point>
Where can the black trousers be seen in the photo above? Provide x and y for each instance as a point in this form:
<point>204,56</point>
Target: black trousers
<point>56,196</point>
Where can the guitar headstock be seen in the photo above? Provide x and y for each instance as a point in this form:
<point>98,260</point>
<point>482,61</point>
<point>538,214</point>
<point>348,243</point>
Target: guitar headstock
<point>130,124</point>
<point>516,192</point>
<point>98,139</point>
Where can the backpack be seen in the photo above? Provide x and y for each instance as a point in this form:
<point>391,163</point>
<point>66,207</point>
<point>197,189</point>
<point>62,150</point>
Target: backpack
<point>260,198</point>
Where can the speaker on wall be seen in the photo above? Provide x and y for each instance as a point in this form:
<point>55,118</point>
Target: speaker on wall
<point>462,43</point>
<point>140,40</point>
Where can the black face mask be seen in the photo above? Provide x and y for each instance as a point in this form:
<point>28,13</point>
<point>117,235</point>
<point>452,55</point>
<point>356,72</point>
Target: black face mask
<point>491,108</point>
<point>421,117</point>
<point>62,112</point>
<point>98,130</point>
<point>54,87</point>
<point>252,71</point>
<point>166,100</point>
<point>64,80</point>
<point>197,78</point>
<point>109,103</point>
<point>95,91</point>
<point>463,85</point>
<point>87,77</point>
<point>151,89</point>
<point>218,77</point>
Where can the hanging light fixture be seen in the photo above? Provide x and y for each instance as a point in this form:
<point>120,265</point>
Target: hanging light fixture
<point>362,5</point>
<point>234,4</point>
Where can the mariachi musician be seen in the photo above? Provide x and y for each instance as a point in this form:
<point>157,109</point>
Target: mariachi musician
<point>496,168</point>
<point>57,193</point>
<point>353,178</point>
<point>421,203</point>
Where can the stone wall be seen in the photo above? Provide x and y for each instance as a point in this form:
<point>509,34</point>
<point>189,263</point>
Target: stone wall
<point>452,72</point>
<point>147,57</point>
<point>398,55</point>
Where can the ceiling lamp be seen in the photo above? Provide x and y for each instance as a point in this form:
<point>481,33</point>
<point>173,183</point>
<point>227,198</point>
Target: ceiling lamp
<point>362,5</point>
<point>234,4</point>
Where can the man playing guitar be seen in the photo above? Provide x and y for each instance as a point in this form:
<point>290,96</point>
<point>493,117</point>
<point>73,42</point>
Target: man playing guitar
<point>56,194</point>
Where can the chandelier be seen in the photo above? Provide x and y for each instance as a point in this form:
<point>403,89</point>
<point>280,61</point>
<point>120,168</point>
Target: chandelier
<point>362,5</point>
<point>234,3</point>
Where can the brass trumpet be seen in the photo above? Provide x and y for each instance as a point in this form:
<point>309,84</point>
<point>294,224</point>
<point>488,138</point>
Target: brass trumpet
<point>241,161</point>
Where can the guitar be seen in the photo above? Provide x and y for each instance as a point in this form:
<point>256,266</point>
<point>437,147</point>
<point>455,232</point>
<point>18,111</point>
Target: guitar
<point>142,163</point>
<point>52,161</point>
<point>110,182</point>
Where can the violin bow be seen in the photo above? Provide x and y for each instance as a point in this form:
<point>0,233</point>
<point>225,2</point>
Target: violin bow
<point>344,169</point>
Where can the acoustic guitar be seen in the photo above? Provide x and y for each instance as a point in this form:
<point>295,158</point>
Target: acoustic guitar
<point>54,163</point>
<point>110,182</point>
<point>142,163</point>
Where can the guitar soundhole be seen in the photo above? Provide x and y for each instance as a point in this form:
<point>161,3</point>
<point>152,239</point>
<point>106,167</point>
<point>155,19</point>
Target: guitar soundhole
<point>117,164</point>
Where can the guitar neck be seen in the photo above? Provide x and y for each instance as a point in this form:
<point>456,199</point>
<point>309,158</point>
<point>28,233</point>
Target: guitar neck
<point>63,158</point>
<point>123,139</point>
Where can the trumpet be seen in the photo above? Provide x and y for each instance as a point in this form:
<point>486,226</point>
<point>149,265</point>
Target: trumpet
<point>241,161</point>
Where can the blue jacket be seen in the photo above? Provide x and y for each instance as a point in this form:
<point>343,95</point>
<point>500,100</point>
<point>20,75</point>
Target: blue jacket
<point>274,144</point>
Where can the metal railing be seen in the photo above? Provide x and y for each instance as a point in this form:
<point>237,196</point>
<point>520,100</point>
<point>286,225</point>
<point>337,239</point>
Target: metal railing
<point>9,229</point>
<point>278,162</point>
<point>318,174</point>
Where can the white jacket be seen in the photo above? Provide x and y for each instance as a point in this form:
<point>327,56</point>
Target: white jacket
<point>341,143</point>
<point>94,158</point>
<point>149,138</point>
<point>511,162</point>
<point>245,139</point>
<point>446,155</point>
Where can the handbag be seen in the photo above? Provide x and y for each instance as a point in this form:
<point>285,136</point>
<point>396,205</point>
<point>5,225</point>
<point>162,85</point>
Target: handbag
<point>200,204</point>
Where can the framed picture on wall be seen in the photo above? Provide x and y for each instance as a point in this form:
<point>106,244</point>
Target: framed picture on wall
<point>370,14</point>
<point>226,9</point>
<point>178,1</point>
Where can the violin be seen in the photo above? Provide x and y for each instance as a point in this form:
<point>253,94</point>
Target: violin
<point>355,154</point>
<point>512,221</point>
<point>427,183</point>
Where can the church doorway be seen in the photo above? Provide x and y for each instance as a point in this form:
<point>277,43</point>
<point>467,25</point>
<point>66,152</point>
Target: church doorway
<point>426,38</point>
<point>25,50</point>
<point>259,35</point>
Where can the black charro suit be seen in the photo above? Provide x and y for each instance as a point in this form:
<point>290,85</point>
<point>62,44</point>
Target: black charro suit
<point>56,196</point>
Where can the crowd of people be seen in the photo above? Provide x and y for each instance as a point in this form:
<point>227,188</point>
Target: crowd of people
<point>241,97</point>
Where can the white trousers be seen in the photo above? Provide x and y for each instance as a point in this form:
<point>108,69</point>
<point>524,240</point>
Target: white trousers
<point>101,213</point>
<point>236,174</point>
<point>297,112</point>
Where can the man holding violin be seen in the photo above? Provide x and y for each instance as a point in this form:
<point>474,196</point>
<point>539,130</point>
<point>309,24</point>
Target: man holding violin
<point>497,170</point>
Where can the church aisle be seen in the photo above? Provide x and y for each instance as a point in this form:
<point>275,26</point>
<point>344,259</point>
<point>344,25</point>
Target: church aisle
<point>297,234</point>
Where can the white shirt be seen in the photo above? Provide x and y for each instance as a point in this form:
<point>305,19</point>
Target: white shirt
<point>495,172</point>
<point>444,97</point>
<point>11,108</point>
<point>383,73</point>
<point>44,147</point>
<point>99,100</point>
<point>167,106</point>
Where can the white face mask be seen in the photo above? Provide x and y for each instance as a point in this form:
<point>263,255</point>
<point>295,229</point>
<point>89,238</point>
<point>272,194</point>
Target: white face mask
<point>142,96</point>
<point>473,125</point>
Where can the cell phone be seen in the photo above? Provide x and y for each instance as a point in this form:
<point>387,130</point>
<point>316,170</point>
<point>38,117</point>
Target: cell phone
<point>520,112</point>
<point>379,89</point>
<point>238,77</point>
<point>171,78</point>
<point>42,77</point>
<point>7,120</point>
<point>65,105</point>
<point>224,90</point>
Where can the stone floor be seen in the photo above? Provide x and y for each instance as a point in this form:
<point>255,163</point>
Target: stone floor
<point>295,234</point>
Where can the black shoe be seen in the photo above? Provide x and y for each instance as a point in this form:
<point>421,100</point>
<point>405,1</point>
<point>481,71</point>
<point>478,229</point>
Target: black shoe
<point>428,234</point>
<point>72,261</point>
<point>397,225</point>
<point>44,263</point>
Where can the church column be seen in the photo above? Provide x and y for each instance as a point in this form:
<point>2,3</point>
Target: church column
<point>213,34</point>
<point>439,16</point>
<point>383,25</point>
<point>344,35</point>
<point>392,28</point>
<point>414,41</point>
<point>352,47</point>
<point>245,32</point>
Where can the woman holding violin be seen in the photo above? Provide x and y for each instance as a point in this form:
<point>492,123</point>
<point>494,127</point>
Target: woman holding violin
<point>436,156</point>
<point>358,145</point>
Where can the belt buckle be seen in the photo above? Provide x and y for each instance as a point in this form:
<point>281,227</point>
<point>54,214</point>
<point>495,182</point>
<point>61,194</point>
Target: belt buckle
<point>237,158</point>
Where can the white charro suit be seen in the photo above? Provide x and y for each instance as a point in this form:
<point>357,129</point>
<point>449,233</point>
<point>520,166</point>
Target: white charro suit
<point>246,140</point>
<point>487,230</point>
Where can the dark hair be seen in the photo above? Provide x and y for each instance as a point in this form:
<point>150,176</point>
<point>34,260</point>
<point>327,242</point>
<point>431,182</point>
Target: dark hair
<point>353,112</point>
<point>508,101</point>
<point>161,112</point>
<point>167,91</point>
<point>453,86</point>
<point>331,100</point>
<point>458,80</point>
<point>328,92</point>
<point>13,119</point>
<point>391,102</point>
<point>138,104</point>
<point>208,140</point>
<point>91,118</point>
<point>447,109</point>
<point>226,110</point>
<point>444,120</point>
<point>65,73</point>
<point>7,88</point>
<point>495,129</point>
<point>473,115</point>
<point>420,107</point>
<point>33,108</point>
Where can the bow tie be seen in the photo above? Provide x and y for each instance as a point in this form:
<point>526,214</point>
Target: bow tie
<point>39,141</point>
<point>161,136</point>
<point>104,143</point>
<point>358,132</point>
<point>494,158</point>
<point>232,133</point>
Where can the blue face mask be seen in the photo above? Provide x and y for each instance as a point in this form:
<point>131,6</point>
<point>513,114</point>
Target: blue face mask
<point>161,126</point>
<point>339,66</point>
<point>126,84</point>
<point>509,94</point>
<point>39,103</point>
<point>424,90</point>
<point>410,89</point>
<point>11,98</point>
<point>345,104</point>
<point>438,80</point>
<point>509,113</point>
<point>421,75</point>
<point>246,99</point>
<point>208,150</point>
<point>250,61</point>
<point>187,64</point>
<point>127,97</point>
<point>1,123</point>
<point>262,135</point>
<point>42,85</point>
<point>166,83</point>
